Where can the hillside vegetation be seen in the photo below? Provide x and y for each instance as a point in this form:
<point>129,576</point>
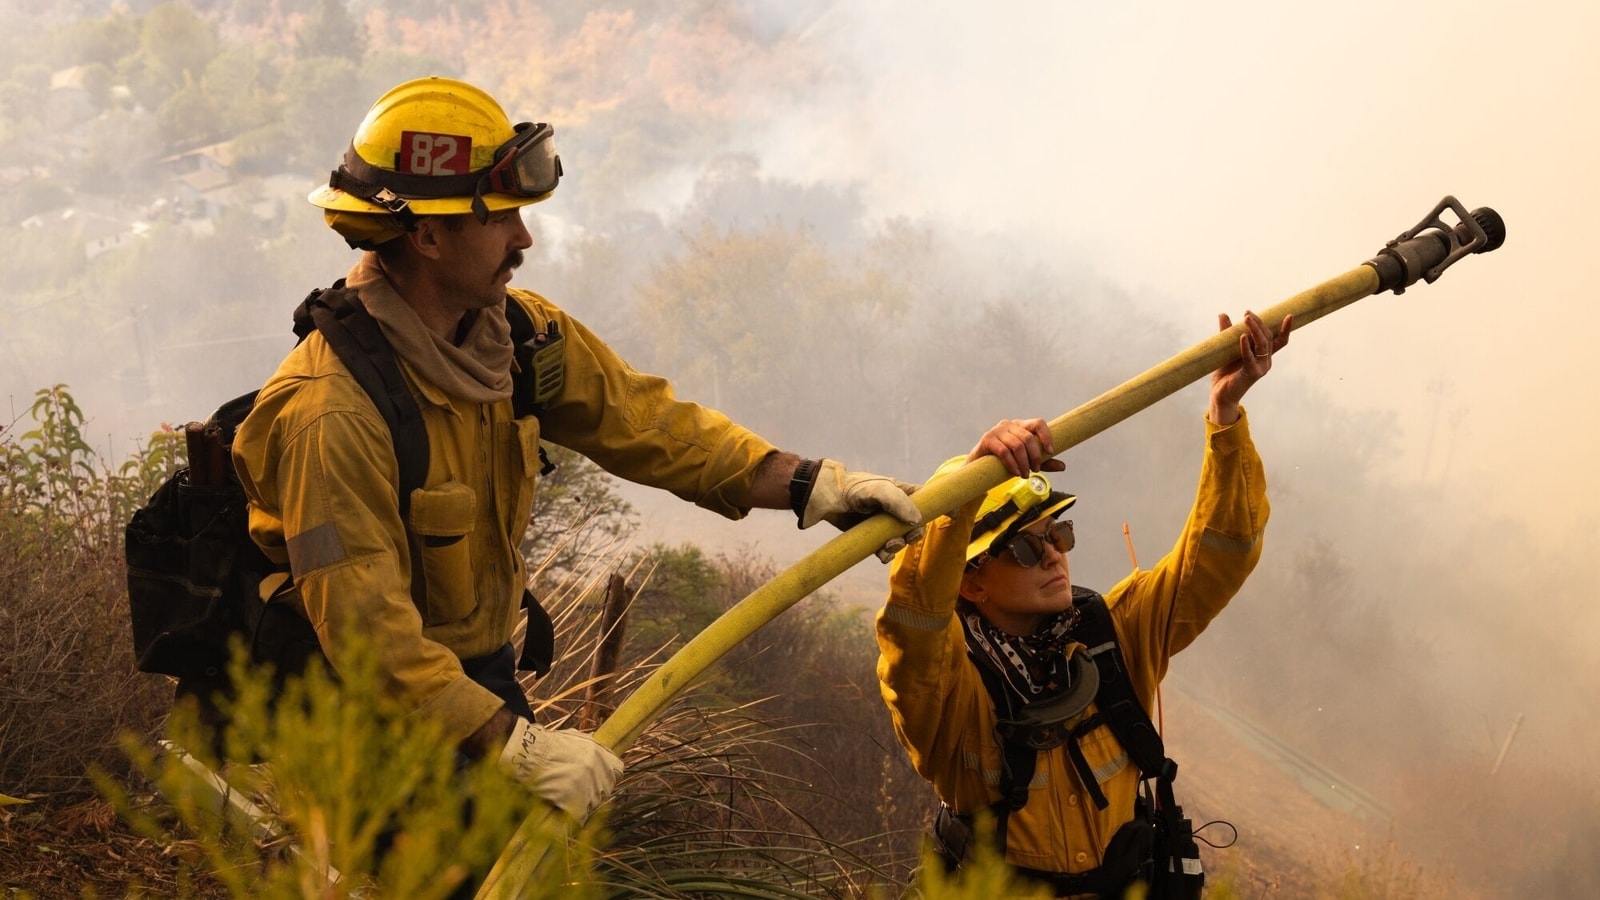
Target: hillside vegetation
<point>155,237</point>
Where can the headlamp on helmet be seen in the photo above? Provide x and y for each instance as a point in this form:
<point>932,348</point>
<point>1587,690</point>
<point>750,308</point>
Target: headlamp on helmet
<point>1021,495</point>
<point>1008,508</point>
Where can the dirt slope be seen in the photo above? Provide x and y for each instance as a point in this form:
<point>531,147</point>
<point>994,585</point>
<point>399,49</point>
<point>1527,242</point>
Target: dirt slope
<point>1300,835</point>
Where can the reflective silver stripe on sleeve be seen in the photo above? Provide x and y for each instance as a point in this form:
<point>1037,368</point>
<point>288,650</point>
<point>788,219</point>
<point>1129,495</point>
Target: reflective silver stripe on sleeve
<point>991,777</point>
<point>1104,773</point>
<point>315,549</point>
<point>1219,541</point>
<point>974,763</point>
<point>917,619</point>
<point>1041,778</point>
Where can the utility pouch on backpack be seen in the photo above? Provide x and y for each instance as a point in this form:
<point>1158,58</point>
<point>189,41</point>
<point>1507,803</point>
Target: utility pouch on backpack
<point>181,623</point>
<point>1130,851</point>
<point>538,639</point>
<point>952,837</point>
<point>193,571</point>
<point>284,638</point>
<point>1177,873</point>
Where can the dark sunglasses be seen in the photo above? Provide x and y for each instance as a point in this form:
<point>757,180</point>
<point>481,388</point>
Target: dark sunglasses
<point>1027,548</point>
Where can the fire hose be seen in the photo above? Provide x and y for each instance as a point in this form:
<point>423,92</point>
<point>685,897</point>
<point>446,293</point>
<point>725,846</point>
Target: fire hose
<point>1422,252</point>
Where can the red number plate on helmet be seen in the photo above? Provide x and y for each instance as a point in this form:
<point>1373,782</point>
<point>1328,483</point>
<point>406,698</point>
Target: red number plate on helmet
<point>426,153</point>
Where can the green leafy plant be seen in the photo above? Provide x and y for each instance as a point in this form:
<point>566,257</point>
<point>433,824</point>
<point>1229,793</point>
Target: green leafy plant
<point>67,680</point>
<point>57,481</point>
<point>356,794</point>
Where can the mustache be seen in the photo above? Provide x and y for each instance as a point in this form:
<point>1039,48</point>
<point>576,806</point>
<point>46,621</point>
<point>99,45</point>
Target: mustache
<point>513,260</point>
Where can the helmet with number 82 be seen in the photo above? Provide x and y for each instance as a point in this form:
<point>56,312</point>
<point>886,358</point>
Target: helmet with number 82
<point>438,146</point>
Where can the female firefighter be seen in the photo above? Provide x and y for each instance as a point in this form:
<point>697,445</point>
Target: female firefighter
<point>1011,689</point>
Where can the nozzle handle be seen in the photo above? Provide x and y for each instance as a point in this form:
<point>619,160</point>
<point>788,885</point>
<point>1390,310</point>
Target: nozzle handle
<point>1434,245</point>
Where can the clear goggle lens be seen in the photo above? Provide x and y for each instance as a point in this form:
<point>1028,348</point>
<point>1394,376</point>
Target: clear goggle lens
<point>527,165</point>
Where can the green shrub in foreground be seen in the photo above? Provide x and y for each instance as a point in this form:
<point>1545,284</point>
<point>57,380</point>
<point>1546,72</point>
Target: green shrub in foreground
<point>347,774</point>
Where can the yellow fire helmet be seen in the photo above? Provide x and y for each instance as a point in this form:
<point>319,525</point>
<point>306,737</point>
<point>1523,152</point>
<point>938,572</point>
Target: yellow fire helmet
<point>438,146</point>
<point>1008,508</point>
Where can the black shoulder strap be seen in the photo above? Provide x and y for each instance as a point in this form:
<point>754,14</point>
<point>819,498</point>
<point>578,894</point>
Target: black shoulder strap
<point>530,347</point>
<point>522,334</point>
<point>1128,720</point>
<point>1124,714</point>
<point>355,336</point>
<point>1017,760</point>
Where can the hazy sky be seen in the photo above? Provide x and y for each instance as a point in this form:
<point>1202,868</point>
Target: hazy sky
<point>1217,157</point>
<point>1221,156</point>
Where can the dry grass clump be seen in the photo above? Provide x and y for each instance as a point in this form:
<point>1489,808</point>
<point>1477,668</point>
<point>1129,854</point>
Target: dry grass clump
<point>67,680</point>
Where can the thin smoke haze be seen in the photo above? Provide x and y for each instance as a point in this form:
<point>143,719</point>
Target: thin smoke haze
<point>929,216</point>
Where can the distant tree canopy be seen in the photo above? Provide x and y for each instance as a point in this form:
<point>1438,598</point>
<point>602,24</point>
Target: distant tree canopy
<point>174,47</point>
<point>760,320</point>
<point>323,100</point>
<point>242,82</point>
<point>189,117</point>
<point>104,41</point>
<point>331,31</point>
<point>30,80</point>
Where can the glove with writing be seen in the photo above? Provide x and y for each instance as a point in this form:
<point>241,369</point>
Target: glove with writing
<point>567,767</point>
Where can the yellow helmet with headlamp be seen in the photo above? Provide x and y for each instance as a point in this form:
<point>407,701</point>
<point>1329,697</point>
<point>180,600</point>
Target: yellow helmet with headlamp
<point>1008,508</point>
<point>437,146</point>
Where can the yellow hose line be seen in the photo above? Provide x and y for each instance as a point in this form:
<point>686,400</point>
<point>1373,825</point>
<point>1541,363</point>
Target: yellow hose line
<point>1198,361</point>
<point>849,548</point>
<point>516,867</point>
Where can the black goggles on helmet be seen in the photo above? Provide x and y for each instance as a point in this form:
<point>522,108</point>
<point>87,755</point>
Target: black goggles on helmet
<point>524,166</point>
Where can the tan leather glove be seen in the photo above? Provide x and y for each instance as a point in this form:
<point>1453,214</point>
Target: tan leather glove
<point>567,767</point>
<point>894,545</point>
<point>843,498</point>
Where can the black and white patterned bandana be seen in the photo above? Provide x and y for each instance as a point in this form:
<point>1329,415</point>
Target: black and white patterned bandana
<point>1033,666</point>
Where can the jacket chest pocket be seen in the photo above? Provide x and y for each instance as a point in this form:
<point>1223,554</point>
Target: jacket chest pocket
<point>1103,754</point>
<point>442,519</point>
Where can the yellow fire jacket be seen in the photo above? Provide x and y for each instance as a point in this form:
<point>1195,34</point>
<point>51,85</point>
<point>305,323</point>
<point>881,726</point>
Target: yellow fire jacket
<point>943,715</point>
<point>318,464</point>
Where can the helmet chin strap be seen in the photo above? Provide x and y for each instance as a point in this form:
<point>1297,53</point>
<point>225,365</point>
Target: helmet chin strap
<point>341,179</point>
<point>480,210</point>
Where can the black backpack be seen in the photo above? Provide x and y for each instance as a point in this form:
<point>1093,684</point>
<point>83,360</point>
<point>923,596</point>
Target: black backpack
<point>194,574</point>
